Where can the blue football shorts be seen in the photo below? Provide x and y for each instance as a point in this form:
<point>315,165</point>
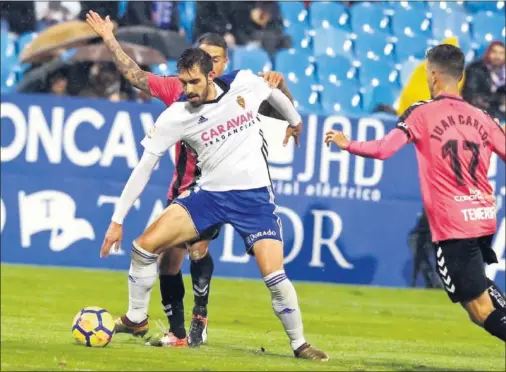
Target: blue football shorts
<point>250,212</point>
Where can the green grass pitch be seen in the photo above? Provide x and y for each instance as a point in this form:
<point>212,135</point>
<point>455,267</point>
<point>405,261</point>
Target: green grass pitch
<point>362,328</point>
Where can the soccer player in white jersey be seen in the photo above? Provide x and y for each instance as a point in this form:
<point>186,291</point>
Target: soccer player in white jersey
<point>218,118</point>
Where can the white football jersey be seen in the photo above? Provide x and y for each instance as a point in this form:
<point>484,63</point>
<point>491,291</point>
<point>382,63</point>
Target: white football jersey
<point>224,133</point>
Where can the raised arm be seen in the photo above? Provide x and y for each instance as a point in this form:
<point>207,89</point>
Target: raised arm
<point>128,68</point>
<point>377,149</point>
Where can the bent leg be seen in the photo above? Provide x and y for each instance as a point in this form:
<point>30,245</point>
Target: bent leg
<point>482,312</point>
<point>172,228</point>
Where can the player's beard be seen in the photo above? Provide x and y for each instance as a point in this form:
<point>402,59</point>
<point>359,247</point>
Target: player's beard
<point>203,97</point>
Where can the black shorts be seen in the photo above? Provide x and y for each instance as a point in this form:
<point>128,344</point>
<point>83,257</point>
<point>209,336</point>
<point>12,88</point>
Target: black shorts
<point>461,266</point>
<point>210,234</point>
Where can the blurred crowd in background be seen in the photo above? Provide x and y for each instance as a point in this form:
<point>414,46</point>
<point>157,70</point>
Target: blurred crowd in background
<point>347,57</point>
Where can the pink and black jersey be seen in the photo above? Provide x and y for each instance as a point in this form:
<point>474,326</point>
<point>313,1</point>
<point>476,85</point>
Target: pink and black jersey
<point>168,89</point>
<point>454,142</point>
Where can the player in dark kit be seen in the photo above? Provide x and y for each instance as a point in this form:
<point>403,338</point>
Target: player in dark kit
<point>454,142</point>
<point>168,90</point>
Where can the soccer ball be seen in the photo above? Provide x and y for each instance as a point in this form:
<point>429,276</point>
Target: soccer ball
<point>93,327</point>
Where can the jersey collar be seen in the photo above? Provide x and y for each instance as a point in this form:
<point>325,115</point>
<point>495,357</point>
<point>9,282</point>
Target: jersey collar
<point>450,96</point>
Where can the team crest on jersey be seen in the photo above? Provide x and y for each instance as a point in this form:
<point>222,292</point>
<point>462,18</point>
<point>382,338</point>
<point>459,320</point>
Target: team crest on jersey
<point>241,102</point>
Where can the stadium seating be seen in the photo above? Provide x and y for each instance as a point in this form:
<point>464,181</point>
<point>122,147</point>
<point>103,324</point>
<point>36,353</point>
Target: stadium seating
<point>487,27</point>
<point>408,47</point>
<point>377,73</point>
<point>162,69</point>
<point>8,53</point>
<point>293,11</point>
<point>375,46</point>
<point>187,12</point>
<point>379,95</point>
<point>410,22</point>
<point>407,69</point>
<point>8,77</point>
<point>346,50</point>
<point>4,25</point>
<point>254,59</point>
<point>298,62</point>
<point>24,40</point>
<point>331,41</point>
<point>343,98</point>
<point>325,14</point>
<point>304,92</point>
<point>367,16</point>
<point>299,34</point>
<point>436,7</point>
<point>406,6</point>
<point>482,6</point>
<point>336,69</point>
<point>451,23</point>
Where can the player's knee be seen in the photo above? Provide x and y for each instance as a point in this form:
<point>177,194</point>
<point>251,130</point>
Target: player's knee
<point>198,250</point>
<point>269,256</point>
<point>145,243</point>
<point>479,311</point>
<point>168,265</point>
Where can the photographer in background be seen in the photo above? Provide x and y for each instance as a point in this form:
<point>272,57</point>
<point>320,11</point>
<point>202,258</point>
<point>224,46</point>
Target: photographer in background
<point>420,243</point>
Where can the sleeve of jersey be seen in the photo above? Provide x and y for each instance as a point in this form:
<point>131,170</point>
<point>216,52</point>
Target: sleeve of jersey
<point>256,83</point>
<point>379,149</point>
<point>408,123</point>
<point>498,140</point>
<point>284,106</point>
<point>134,186</point>
<point>167,89</point>
<point>164,134</point>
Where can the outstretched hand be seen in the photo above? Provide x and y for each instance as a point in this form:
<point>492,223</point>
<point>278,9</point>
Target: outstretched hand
<point>333,136</point>
<point>103,27</point>
<point>113,237</point>
<point>293,132</point>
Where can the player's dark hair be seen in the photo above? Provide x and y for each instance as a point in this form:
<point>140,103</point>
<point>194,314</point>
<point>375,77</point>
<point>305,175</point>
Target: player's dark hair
<point>195,57</point>
<point>448,58</point>
<point>213,40</point>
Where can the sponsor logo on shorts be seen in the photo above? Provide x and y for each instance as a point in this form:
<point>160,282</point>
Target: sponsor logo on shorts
<point>254,237</point>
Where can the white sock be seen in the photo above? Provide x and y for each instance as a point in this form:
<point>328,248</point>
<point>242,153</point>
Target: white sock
<point>141,279</point>
<point>286,306</point>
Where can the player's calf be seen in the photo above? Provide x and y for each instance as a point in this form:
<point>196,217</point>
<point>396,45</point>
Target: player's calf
<point>172,290</point>
<point>201,269</point>
<point>482,312</point>
<point>496,296</point>
<point>269,255</point>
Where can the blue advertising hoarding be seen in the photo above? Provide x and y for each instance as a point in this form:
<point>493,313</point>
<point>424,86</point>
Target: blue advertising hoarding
<point>345,218</point>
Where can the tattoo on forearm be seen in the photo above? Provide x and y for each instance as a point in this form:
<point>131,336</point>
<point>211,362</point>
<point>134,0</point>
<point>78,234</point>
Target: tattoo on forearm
<point>128,68</point>
<point>284,89</point>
